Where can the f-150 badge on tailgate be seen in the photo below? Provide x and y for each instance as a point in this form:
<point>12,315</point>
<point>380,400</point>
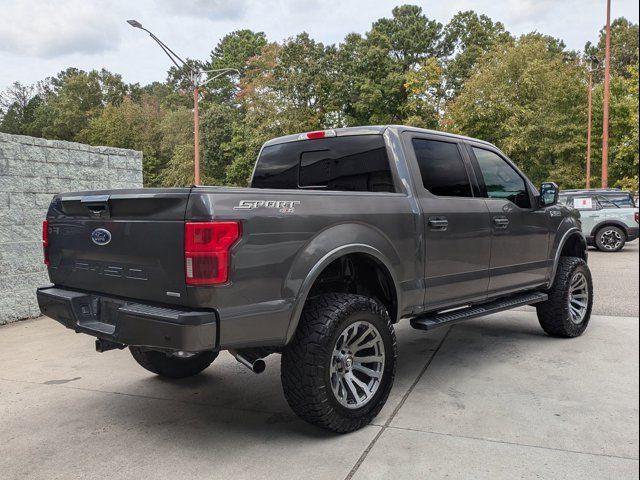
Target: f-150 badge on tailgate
<point>283,206</point>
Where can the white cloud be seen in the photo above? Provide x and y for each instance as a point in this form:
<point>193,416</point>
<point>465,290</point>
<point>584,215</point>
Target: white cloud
<point>39,38</point>
<point>49,29</point>
<point>527,11</point>
<point>215,10</point>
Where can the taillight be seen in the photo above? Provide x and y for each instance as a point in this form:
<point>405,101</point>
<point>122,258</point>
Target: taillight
<point>635,215</point>
<point>45,241</point>
<point>207,247</point>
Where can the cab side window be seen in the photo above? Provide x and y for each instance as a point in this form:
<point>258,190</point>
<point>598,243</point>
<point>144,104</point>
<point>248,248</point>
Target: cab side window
<point>442,168</point>
<point>501,180</point>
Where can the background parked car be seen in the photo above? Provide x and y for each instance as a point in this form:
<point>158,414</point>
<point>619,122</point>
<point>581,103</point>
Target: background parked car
<point>609,216</point>
<point>621,198</point>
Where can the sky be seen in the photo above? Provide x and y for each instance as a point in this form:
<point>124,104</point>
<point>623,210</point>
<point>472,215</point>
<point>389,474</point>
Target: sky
<point>39,38</point>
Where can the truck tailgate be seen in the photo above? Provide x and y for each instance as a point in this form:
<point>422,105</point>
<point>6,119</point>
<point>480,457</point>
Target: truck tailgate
<point>127,243</point>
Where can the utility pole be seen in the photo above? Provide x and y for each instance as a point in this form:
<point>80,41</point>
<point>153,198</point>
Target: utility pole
<point>195,78</point>
<point>605,115</point>
<point>196,135</point>
<point>589,130</point>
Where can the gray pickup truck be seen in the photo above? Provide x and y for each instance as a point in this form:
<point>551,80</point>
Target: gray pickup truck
<point>342,234</point>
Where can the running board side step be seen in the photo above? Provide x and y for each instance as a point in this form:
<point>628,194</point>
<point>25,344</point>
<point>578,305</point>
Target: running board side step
<point>433,320</point>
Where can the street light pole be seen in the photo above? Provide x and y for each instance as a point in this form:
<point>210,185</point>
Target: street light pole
<point>605,115</point>
<point>195,77</point>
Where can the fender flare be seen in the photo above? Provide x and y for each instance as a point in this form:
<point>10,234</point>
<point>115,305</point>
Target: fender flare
<point>565,237</point>
<point>319,267</point>
<point>616,223</point>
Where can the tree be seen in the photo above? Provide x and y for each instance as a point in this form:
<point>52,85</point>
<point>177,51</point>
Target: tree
<point>529,99</point>
<point>623,130</point>
<point>466,38</point>
<point>217,126</point>
<point>624,49</point>
<point>425,94</point>
<point>18,105</point>
<point>281,93</point>
<point>72,98</point>
<point>131,125</point>
<point>233,51</point>
<point>372,70</point>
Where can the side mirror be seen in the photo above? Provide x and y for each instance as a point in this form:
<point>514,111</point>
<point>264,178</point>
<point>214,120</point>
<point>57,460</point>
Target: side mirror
<point>549,192</point>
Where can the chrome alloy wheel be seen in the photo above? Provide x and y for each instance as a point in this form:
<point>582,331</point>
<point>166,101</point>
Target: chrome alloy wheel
<point>181,355</point>
<point>611,239</point>
<point>578,298</point>
<point>357,364</point>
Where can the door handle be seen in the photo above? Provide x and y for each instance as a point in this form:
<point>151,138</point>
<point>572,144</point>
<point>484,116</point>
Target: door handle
<point>438,223</point>
<point>501,222</point>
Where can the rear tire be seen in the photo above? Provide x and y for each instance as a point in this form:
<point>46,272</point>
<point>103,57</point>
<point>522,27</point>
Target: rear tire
<point>325,377</point>
<point>172,365</point>
<point>610,239</point>
<point>568,310</point>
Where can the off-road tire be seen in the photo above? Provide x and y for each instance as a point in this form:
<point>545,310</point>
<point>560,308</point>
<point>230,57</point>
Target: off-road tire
<point>554,314</point>
<point>171,366</point>
<point>599,241</point>
<point>305,371</point>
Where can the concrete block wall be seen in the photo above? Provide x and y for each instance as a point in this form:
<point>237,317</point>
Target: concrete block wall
<point>32,170</point>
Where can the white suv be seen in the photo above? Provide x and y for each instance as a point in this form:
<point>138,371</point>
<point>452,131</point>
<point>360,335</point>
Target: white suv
<point>607,222</point>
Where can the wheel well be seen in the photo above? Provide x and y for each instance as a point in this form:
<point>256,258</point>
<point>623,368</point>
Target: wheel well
<point>599,227</point>
<point>575,246</point>
<point>361,274</point>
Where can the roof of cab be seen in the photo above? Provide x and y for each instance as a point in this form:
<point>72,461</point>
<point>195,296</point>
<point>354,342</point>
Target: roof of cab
<point>373,130</point>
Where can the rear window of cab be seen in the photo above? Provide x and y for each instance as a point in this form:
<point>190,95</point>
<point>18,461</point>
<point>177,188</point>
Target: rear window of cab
<point>357,163</point>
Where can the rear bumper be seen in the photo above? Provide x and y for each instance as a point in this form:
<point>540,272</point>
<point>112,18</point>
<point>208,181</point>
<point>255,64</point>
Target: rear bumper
<point>130,323</point>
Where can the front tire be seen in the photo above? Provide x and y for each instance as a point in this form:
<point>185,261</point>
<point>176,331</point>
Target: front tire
<point>610,239</point>
<point>339,368</point>
<point>568,310</point>
<point>172,365</point>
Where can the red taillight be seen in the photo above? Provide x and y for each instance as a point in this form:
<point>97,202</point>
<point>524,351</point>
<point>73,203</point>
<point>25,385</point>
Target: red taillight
<point>45,241</point>
<point>635,215</point>
<point>318,134</point>
<point>206,251</point>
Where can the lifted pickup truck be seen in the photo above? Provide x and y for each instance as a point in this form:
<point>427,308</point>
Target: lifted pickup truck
<point>342,234</point>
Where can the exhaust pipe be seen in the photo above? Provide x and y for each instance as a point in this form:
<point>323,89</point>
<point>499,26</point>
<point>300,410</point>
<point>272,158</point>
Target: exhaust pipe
<point>250,360</point>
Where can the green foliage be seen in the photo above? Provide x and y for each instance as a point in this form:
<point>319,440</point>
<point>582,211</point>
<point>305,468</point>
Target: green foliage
<point>624,49</point>
<point>467,37</point>
<point>528,95</point>
<point>529,100</point>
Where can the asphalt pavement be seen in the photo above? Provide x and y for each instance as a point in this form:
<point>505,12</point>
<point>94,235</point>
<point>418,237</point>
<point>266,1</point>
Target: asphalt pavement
<point>491,398</point>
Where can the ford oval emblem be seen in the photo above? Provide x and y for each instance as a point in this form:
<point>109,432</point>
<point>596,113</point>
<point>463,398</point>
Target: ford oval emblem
<point>101,236</point>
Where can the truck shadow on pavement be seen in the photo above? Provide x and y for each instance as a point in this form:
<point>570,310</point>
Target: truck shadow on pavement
<point>227,399</point>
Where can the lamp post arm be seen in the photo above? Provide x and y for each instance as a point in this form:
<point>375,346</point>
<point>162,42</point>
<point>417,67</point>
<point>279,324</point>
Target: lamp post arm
<point>220,72</point>
<point>170,53</point>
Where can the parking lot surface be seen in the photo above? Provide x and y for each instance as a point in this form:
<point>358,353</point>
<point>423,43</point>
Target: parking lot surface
<point>490,398</point>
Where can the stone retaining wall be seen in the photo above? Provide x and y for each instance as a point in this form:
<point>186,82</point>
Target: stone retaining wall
<point>32,170</point>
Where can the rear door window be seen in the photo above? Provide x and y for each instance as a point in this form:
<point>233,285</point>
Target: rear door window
<point>442,168</point>
<point>606,202</point>
<point>622,200</point>
<point>357,163</point>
